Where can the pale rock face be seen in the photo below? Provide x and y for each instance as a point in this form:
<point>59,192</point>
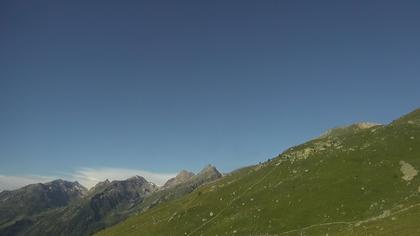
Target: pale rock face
<point>409,172</point>
<point>355,126</point>
<point>100,185</point>
<point>366,125</point>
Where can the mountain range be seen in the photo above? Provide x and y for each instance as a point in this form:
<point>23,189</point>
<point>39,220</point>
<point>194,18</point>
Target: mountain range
<point>360,179</point>
<point>65,208</point>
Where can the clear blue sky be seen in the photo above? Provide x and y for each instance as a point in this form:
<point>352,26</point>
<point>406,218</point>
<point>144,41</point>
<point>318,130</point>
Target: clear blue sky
<point>169,85</point>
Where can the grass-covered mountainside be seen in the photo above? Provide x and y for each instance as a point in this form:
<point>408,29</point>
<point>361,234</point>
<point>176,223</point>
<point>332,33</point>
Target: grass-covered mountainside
<point>358,181</point>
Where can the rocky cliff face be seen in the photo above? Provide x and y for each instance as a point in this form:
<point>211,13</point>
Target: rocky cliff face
<point>117,193</point>
<point>209,172</point>
<point>182,177</point>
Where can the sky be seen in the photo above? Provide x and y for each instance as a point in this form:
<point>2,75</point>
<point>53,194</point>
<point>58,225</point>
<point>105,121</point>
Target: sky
<point>90,89</point>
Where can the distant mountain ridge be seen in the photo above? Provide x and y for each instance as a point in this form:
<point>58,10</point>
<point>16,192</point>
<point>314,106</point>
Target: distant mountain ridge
<point>38,198</point>
<point>83,212</point>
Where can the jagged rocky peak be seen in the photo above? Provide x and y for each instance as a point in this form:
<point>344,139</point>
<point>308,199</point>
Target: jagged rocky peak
<point>103,183</point>
<point>137,178</point>
<point>53,186</point>
<point>182,176</point>
<point>59,185</point>
<point>135,182</point>
<point>208,173</point>
<point>100,185</point>
<point>110,194</point>
<point>209,170</point>
<point>132,184</point>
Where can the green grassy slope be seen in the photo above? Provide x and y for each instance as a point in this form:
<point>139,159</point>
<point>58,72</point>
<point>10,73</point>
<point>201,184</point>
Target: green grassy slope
<point>349,184</point>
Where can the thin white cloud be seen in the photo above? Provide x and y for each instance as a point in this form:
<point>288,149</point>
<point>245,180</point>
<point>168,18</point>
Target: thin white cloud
<point>88,177</point>
<point>10,182</point>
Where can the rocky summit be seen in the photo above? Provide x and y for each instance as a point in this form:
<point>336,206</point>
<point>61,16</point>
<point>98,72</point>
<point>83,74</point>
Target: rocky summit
<point>181,177</point>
